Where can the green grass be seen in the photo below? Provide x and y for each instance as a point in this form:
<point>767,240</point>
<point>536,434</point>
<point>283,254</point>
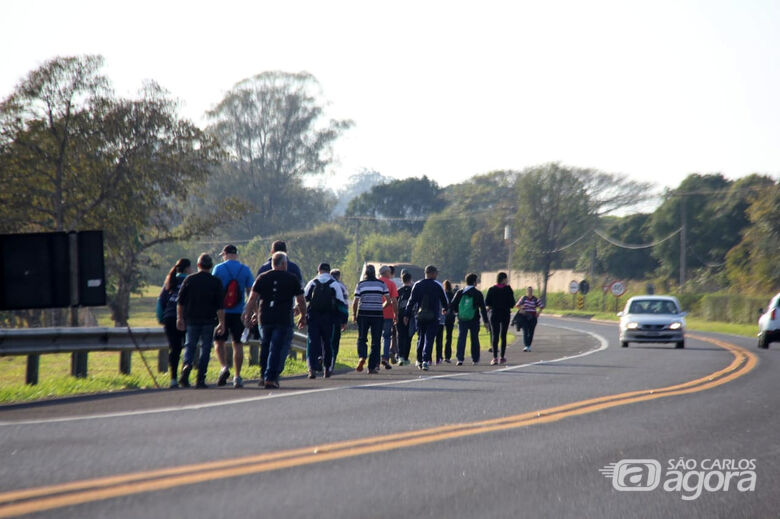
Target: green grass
<point>103,371</point>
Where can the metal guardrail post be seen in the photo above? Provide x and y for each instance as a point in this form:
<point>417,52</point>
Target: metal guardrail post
<point>78,364</point>
<point>162,360</point>
<point>33,363</point>
<point>125,362</point>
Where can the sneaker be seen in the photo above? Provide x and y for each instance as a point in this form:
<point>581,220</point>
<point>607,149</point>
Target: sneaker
<point>425,366</point>
<point>394,359</point>
<point>459,363</point>
<point>184,379</point>
<point>386,364</point>
<point>271,384</point>
<point>401,362</point>
<point>238,382</point>
<point>312,375</point>
<point>502,360</point>
<point>494,361</point>
<point>224,373</point>
<point>201,385</point>
<point>361,362</point>
<point>448,361</point>
<point>438,361</point>
<point>174,383</point>
<point>373,371</point>
<point>328,373</point>
<point>418,364</point>
<point>475,363</point>
<point>527,348</point>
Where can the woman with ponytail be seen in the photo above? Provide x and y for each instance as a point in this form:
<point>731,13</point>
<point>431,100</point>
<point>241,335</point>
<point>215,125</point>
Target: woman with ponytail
<point>166,313</point>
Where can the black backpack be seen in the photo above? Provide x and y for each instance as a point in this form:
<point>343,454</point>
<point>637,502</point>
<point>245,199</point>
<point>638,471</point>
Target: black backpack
<point>404,294</point>
<point>322,297</point>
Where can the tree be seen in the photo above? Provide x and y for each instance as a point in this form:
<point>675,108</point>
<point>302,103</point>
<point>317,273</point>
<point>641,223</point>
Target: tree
<point>714,219</point>
<point>554,211</point>
<point>271,125</point>
<point>356,186</point>
<point>444,242</point>
<point>621,262</point>
<point>751,265</point>
<point>89,160</point>
<point>409,200</point>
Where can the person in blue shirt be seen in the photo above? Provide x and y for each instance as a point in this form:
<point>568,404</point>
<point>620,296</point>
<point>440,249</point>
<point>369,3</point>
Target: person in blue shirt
<point>237,281</point>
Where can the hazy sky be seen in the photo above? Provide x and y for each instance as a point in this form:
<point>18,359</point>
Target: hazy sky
<point>654,89</point>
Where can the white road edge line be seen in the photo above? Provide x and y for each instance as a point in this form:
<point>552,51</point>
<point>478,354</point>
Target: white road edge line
<point>602,341</point>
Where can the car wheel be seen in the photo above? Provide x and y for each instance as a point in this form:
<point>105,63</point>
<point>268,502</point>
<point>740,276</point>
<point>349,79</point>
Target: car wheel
<point>624,344</point>
<point>762,342</point>
<point>680,345</point>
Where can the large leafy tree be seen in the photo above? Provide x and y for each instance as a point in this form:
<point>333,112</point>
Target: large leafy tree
<point>273,130</point>
<point>444,242</point>
<point>752,264</point>
<point>407,203</point>
<point>714,216</point>
<point>81,158</point>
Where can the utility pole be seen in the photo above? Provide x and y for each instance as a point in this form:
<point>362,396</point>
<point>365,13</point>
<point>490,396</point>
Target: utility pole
<point>357,247</point>
<point>508,239</point>
<point>683,232</point>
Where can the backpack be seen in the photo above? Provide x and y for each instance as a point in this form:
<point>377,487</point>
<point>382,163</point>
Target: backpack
<point>466,310</point>
<point>404,293</point>
<point>322,298</point>
<point>232,293</point>
<point>424,312</point>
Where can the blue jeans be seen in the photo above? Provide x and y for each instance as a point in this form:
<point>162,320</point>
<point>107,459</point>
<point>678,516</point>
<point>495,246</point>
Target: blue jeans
<point>464,328</point>
<point>274,348</point>
<point>387,337</point>
<point>374,325</point>
<point>202,333</point>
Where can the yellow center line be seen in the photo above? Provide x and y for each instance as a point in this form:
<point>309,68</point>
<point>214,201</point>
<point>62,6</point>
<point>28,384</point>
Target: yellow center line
<point>78,492</point>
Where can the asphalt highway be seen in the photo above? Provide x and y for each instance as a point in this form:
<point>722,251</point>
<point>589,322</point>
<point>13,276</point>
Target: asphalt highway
<point>680,433</point>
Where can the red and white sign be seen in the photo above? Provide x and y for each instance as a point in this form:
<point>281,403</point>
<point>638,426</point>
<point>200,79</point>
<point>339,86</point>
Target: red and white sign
<point>618,288</point>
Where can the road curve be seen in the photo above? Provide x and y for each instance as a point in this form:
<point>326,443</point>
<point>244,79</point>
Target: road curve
<point>526,440</point>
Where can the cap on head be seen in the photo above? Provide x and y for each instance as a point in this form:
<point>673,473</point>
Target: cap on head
<point>229,249</point>
<point>324,267</point>
<point>205,262</point>
<point>384,269</point>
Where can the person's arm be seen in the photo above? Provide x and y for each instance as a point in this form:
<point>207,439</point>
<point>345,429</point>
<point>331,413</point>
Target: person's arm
<point>302,309</point>
<point>413,300</point>
<point>511,297</point>
<point>183,291</point>
<point>250,308</point>
<point>355,303</point>
<point>482,308</point>
<point>221,317</point>
<point>161,302</point>
<point>539,307</point>
<point>455,302</point>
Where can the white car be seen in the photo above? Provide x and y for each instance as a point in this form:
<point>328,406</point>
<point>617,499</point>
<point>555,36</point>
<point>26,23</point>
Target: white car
<point>652,319</point>
<point>769,324</point>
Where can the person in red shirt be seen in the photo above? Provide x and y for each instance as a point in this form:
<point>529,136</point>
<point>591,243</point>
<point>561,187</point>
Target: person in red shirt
<point>390,314</point>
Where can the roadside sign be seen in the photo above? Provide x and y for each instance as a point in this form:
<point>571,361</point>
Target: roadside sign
<point>618,288</point>
<point>574,287</point>
<point>584,287</point>
<point>580,302</point>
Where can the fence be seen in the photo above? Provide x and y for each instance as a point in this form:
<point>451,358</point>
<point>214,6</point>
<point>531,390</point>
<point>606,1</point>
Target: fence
<point>35,342</point>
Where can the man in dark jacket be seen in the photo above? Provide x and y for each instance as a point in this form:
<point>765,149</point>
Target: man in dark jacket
<point>199,308</point>
<point>429,298</point>
<point>468,318</point>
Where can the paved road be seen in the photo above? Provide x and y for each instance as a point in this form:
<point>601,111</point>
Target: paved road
<point>528,440</point>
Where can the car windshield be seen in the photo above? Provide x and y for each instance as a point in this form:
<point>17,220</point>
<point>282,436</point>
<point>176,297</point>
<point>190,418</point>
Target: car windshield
<point>650,306</point>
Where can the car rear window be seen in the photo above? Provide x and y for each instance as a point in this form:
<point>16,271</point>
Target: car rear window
<point>650,306</point>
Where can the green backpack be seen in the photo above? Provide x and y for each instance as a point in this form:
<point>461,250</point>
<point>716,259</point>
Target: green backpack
<point>466,309</point>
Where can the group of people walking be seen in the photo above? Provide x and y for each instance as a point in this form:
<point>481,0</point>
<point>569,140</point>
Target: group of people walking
<point>227,301</point>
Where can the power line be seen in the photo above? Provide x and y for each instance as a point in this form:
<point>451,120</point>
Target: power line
<point>622,245</point>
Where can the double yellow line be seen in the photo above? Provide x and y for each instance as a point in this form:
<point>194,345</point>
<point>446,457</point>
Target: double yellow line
<point>39,499</point>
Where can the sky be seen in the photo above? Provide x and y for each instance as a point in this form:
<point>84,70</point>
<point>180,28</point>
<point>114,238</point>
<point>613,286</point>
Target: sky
<point>653,90</point>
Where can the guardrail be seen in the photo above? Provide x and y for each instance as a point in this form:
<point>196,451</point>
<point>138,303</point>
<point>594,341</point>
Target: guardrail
<point>34,342</point>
